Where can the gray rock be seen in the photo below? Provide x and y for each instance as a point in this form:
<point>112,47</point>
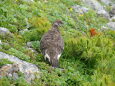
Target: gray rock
<point>23,31</point>
<point>103,13</point>
<point>107,2</point>
<point>112,12</point>
<point>10,70</point>
<point>111,25</point>
<point>104,28</point>
<point>28,0</point>
<point>5,69</point>
<point>112,19</point>
<point>15,76</point>
<point>21,66</point>
<point>5,32</point>
<point>0,42</point>
<point>94,4</point>
<point>79,9</point>
<point>29,44</point>
<point>33,50</point>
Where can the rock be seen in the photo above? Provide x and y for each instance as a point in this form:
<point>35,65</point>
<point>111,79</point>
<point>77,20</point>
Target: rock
<point>107,2</point>
<point>79,9</point>
<point>33,50</point>
<point>0,42</point>
<point>94,4</point>
<point>103,13</point>
<point>24,67</point>
<point>104,28</point>
<point>111,25</point>
<point>112,19</point>
<point>5,32</point>
<point>28,0</point>
<point>29,44</point>
<point>112,12</point>
<point>23,31</point>
<point>10,70</point>
<point>33,46</point>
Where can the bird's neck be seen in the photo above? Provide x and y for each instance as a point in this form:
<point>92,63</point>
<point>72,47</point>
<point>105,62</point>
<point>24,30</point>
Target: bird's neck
<point>55,28</point>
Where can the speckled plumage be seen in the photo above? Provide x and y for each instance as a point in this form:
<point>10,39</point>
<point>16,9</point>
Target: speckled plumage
<point>52,44</point>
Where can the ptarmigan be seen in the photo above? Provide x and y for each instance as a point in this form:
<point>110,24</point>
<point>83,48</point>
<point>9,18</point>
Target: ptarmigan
<point>52,44</point>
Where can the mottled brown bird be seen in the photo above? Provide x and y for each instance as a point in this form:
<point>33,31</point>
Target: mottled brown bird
<point>52,44</point>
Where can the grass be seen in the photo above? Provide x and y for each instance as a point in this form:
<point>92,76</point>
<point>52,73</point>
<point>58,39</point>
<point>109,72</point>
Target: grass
<point>86,60</point>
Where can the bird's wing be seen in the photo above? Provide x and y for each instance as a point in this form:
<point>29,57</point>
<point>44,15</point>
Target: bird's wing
<point>44,44</point>
<point>60,44</point>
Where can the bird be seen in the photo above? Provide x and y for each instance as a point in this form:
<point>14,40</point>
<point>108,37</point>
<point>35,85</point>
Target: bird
<point>52,44</point>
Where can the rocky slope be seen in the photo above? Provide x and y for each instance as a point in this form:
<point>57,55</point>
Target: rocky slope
<point>22,24</point>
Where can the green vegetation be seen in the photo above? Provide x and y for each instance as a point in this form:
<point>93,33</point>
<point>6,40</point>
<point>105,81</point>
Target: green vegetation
<point>86,60</point>
<point>4,61</point>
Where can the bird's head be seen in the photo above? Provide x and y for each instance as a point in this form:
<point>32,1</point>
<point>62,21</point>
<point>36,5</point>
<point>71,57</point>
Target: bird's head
<point>57,23</point>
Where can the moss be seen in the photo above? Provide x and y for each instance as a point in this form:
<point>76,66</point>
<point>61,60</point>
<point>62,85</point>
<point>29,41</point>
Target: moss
<point>86,60</point>
<point>4,61</point>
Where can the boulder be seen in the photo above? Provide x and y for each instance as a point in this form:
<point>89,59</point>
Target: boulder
<point>112,19</point>
<point>79,9</point>
<point>107,2</point>
<point>104,28</point>
<point>23,31</point>
<point>112,11</point>
<point>103,13</point>
<point>111,25</point>
<point>29,70</point>
<point>33,44</point>
<point>33,50</point>
<point>0,42</point>
<point>29,44</point>
<point>5,32</point>
<point>28,0</point>
<point>10,70</point>
<point>94,4</point>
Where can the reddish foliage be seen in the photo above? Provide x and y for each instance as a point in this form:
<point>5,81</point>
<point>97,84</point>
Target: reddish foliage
<point>93,32</point>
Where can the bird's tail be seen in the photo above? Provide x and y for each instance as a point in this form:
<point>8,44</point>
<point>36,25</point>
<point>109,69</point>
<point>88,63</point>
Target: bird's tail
<point>55,63</point>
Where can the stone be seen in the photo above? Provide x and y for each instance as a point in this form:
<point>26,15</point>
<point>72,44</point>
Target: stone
<point>29,44</point>
<point>112,11</point>
<point>23,31</point>
<point>94,4</point>
<point>0,42</point>
<point>103,13</point>
<point>28,0</point>
<point>111,25</point>
<point>33,50</point>
<point>10,70</point>
<point>107,2</point>
<point>5,32</point>
<point>104,28</point>
<point>19,65</point>
<point>112,19</point>
<point>79,9</point>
